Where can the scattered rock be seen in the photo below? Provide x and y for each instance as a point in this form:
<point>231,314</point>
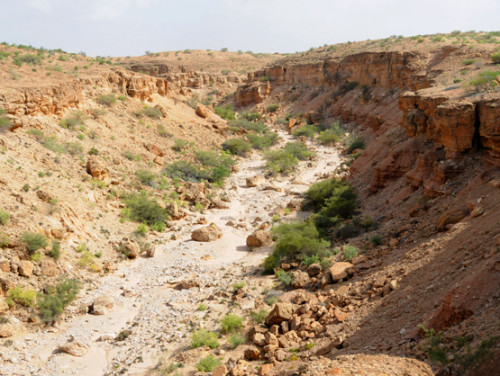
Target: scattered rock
<point>201,111</point>
<point>25,268</point>
<point>4,265</point>
<point>97,168</point>
<point>102,305</point>
<point>130,248</point>
<point>300,279</point>
<point>281,312</point>
<point>265,369</point>
<point>6,331</point>
<point>44,196</point>
<point>74,347</point>
<point>451,217</point>
<point>3,305</point>
<point>193,281</point>
<point>314,269</point>
<point>209,233</point>
<point>220,371</point>
<point>255,181</point>
<point>259,238</point>
<point>339,270</point>
<point>49,268</point>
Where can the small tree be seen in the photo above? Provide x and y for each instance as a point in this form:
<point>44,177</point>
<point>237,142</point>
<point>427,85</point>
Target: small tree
<point>54,299</point>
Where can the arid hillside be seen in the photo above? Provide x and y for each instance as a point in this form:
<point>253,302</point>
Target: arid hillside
<point>334,211</point>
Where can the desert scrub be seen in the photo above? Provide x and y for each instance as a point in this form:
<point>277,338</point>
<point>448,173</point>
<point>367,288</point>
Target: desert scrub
<point>298,150</point>
<point>280,162</point>
<point>328,137</point>
<point>4,239</point>
<point>203,337</point>
<point>152,112</point>
<point>146,177</point>
<point>231,323</point>
<point>208,364</point>
<point>265,141</point>
<point>53,299</point>
<point>485,79</point>
<point>237,146</point>
<point>4,120</point>
<point>140,208</point>
<point>260,316</point>
<point>295,240</point>
<point>180,144</point>
<point>235,340</point>
<point>106,99</point>
<point>34,241</point>
<point>4,217</point>
<point>225,112</point>
<point>496,58</point>
<point>284,277</point>
<point>238,285</point>
<point>141,230</point>
<point>353,143</point>
<point>308,131</point>
<point>249,125</point>
<point>76,118</point>
<point>55,252</point>
<point>18,295</point>
<point>350,252</point>
<point>319,194</point>
<point>273,107</point>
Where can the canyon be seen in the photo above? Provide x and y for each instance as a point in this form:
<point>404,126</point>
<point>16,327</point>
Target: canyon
<point>426,176</point>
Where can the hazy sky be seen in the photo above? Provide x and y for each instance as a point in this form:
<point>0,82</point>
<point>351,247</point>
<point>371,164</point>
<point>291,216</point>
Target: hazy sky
<point>131,27</point>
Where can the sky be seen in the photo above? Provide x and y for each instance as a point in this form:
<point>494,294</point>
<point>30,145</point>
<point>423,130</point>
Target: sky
<point>132,27</point>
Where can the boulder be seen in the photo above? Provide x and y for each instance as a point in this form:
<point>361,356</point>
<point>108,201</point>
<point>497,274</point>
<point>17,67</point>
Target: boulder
<point>201,111</point>
<point>49,268</point>
<point>6,331</point>
<point>155,149</point>
<point>314,269</point>
<point>74,347</point>
<point>451,217</point>
<point>259,238</point>
<point>255,181</point>
<point>252,353</point>
<point>130,248</point>
<point>300,279</point>
<point>102,305</point>
<point>25,268</point>
<point>209,233</point>
<point>97,168</point>
<point>281,312</point>
<point>4,265</point>
<point>339,270</point>
<point>3,305</point>
<point>220,370</point>
<point>265,369</point>
<point>193,281</point>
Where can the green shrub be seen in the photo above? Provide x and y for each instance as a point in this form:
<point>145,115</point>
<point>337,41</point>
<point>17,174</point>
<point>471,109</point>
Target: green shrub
<point>298,150</point>
<point>263,142</point>
<point>152,112</point>
<point>53,300</point>
<point>306,131</point>
<point>93,151</point>
<point>122,98</point>
<point>20,296</point>
<point>30,59</point>
<point>280,162</point>
<point>202,307</point>
<point>76,118</point>
<point>180,144</point>
<point>106,99</point>
<point>4,121</point>
<point>355,142</point>
<point>55,252</point>
<point>328,137</point>
<point>225,112</point>
<point>186,171</point>
<point>231,323</point>
<point>484,78</point>
<point>141,230</point>
<point>73,148</point>
<point>237,146</point>
<point>210,158</point>
<point>296,239</point>
<point>140,208</point>
<point>131,156</point>
<point>319,193</point>
<point>468,61</point>
<point>337,208</point>
<point>208,364</point>
<point>273,107</point>
<point>251,116</point>
<point>203,337</point>
<point>259,317</point>
<point>146,177</point>
<point>4,239</point>
<point>284,277</point>
<point>496,58</point>
<point>350,252</point>
<point>34,241</point>
<point>238,285</point>
<point>235,340</point>
<point>248,125</point>
<point>4,217</point>
<point>376,240</point>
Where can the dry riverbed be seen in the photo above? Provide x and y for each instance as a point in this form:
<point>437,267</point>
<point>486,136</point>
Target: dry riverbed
<point>151,317</point>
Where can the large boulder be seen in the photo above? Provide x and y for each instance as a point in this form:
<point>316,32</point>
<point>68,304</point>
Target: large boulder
<point>201,111</point>
<point>130,248</point>
<point>209,233</point>
<point>259,238</point>
<point>102,305</point>
<point>255,181</point>
<point>281,312</point>
<point>300,279</point>
<point>25,268</point>
<point>74,347</point>
<point>49,267</point>
<point>451,217</point>
<point>97,168</point>
<point>339,270</point>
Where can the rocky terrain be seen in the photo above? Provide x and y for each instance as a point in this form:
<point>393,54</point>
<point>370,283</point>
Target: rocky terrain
<point>114,188</point>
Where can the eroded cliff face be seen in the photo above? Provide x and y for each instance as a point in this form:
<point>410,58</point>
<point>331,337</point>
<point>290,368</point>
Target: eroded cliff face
<point>56,98</point>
